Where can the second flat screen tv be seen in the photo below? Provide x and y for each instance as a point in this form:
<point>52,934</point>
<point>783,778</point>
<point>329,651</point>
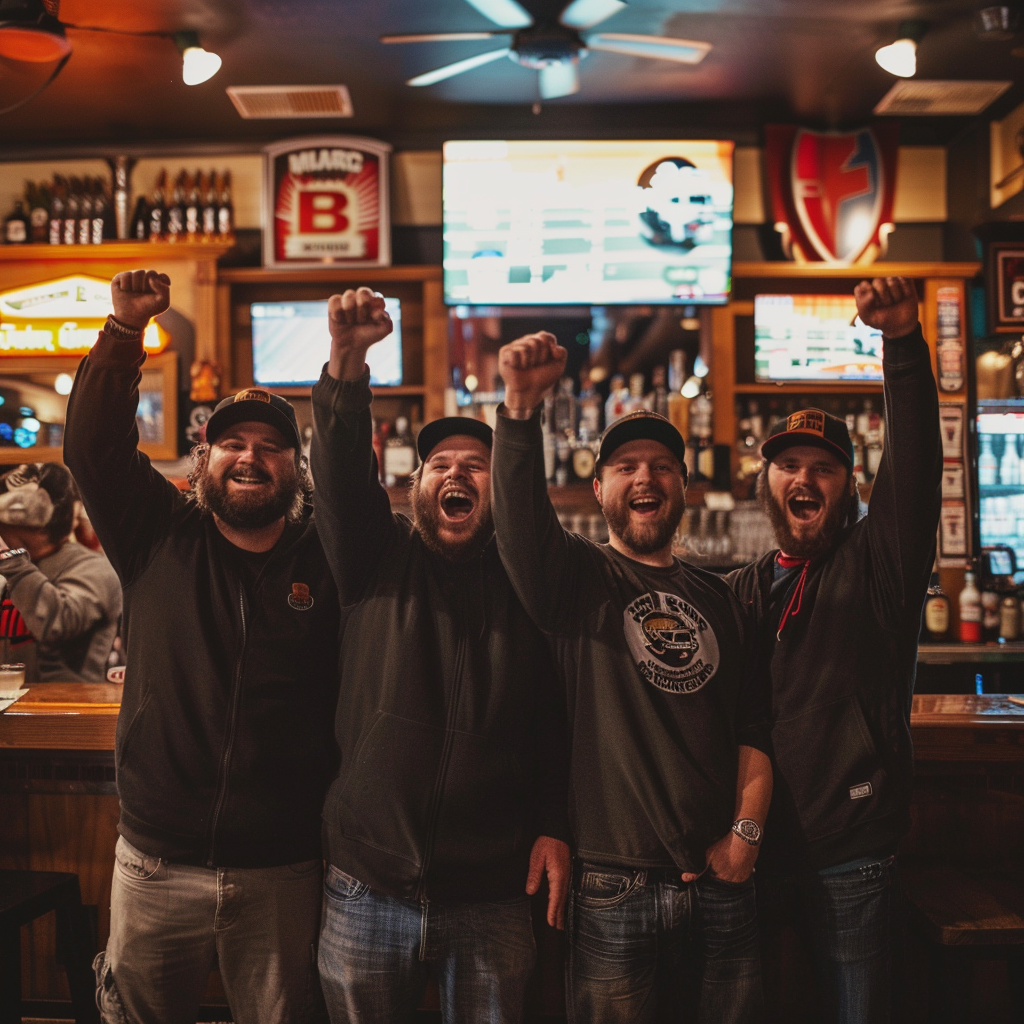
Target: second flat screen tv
<point>593,223</point>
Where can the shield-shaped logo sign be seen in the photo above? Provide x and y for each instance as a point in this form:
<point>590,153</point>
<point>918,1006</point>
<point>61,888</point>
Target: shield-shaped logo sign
<point>832,191</point>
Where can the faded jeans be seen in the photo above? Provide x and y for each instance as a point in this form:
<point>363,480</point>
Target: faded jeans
<point>646,947</point>
<point>377,952</point>
<point>845,914</point>
<point>170,924</point>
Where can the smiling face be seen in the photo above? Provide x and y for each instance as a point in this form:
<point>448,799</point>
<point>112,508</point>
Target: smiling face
<point>250,477</point>
<point>807,498</point>
<point>451,498</point>
<point>641,492</point>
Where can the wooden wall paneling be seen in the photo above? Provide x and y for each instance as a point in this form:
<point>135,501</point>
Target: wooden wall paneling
<point>435,349</point>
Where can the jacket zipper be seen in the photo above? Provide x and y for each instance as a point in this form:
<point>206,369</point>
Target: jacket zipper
<point>233,721</point>
<point>442,773</point>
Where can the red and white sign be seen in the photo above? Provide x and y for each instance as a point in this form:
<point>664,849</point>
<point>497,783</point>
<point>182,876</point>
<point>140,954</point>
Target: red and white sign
<point>832,192</point>
<point>326,203</point>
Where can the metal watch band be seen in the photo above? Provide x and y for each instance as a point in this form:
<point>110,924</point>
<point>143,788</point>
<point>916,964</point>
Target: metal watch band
<point>748,830</point>
<point>121,331</point>
<point>12,553</point>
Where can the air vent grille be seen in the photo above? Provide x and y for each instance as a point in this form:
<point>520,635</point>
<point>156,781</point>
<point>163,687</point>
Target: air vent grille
<point>931,99</point>
<point>266,101</point>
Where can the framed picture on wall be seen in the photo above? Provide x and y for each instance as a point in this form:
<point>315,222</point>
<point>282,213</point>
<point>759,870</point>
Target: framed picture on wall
<point>1004,274</point>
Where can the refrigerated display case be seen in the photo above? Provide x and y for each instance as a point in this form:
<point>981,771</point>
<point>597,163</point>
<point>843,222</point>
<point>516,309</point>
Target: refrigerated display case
<point>999,434</point>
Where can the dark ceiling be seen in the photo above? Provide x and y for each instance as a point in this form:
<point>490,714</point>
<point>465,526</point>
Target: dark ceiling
<point>805,60</point>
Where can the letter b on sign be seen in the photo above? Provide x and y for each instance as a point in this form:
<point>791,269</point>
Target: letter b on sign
<point>322,212</point>
<point>1017,293</point>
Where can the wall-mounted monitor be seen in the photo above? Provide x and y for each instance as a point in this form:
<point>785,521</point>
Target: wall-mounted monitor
<point>616,222</point>
<point>291,343</point>
<point>816,338</point>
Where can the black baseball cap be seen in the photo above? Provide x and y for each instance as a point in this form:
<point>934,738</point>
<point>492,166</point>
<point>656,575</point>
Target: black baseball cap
<point>642,425</point>
<point>436,431</point>
<point>254,404</point>
<point>810,427</point>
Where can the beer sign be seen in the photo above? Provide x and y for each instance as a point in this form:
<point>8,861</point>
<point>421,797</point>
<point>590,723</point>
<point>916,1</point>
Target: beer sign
<point>1005,272</point>
<point>326,203</point>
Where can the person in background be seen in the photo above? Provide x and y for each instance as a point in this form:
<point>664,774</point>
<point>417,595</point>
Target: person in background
<point>840,611</point>
<point>68,595</point>
<point>450,803</point>
<point>669,781</point>
<point>223,746</point>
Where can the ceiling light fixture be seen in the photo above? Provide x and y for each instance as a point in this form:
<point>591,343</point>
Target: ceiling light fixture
<point>197,65</point>
<point>900,58</point>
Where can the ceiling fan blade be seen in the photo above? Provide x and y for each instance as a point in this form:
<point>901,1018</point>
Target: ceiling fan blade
<point>440,37</point>
<point>559,80</point>
<point>588,13</point>
<point>451,70</point>
<point>506,13</point>
<point>685,51</point>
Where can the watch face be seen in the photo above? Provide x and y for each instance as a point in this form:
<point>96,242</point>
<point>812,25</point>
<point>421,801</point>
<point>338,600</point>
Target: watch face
<point>748,829</point>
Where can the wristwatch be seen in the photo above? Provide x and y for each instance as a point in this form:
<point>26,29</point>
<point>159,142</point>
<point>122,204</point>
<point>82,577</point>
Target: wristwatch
<point>12,553</point>
<point>748,830</point>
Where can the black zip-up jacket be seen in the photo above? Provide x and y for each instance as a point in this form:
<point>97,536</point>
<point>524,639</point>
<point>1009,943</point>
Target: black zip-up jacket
<point>843,669</point>
<point>452,737</point>
<point>223,745</point>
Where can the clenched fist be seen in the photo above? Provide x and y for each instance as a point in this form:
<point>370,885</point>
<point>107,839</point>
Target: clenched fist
<point>139,295</point>
<point>530,366</point>
<point>888,304</point>
<point>357,319</point>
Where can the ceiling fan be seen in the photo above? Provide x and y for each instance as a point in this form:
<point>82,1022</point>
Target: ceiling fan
<point>553,48</point>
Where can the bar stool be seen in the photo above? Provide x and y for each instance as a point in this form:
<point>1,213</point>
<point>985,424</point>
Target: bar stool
<point>24,896</point>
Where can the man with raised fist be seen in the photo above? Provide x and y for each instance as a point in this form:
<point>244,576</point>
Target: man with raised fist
<point>450,801</point>
<point>223,743</point>
<point>669,784</point>
<point>839,605</point>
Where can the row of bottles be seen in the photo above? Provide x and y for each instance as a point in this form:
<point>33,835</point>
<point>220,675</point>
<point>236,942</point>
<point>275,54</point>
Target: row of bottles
<point>197,207</point>
<point>993,612</point>
<point>755,416</point>
<point>999,460</point>
<point>66,211</point>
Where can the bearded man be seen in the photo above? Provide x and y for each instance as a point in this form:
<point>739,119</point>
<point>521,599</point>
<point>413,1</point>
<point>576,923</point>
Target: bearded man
<point>223,744</point>
<point>450,802</point>
<point>669,781</point>
<point>840,610</point>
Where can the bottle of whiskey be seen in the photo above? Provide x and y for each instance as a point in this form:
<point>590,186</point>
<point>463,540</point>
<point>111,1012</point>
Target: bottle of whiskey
<point>69,229</point>
<point>39,214</point>
<point>16,225</point>
<point>100,227</point>
<point>209,217</point>
<point>225,209</point>
<point>399,454</point>
<point>158,209</point>
<point>85,213</point>
<point>176,209</point>
<point>56,225</point>
<point>140,220</point>
<point>193,205</point>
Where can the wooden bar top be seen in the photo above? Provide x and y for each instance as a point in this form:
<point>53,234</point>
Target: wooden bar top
<point>62,716</point>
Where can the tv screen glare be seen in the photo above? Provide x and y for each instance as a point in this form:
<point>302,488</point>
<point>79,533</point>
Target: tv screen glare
<point>291,343</point>
<point>592,223</point>
<point>816,338</point>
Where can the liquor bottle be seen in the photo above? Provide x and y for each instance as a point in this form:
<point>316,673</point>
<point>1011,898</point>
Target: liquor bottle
<point>872,453</point>
<point>158,209</point>
<point>1009,617</point>
<point>701,436</point>
<point>990,599</point>
<point>615,406</point>
<point>565,409</point>
<point>193,206</point>
<point>678,406</point>
<point>16,225</point>
<point>100,227</point>
<point>987,465</point>
<point>85,213</point>
<point>225,209</point>
<point>55,233</point>
<point>1009,465</point>
<point>39,215</point>
<point>176,210</point>
<point>590,406</point>
<point>399,455</point>
<point>209,217</point>
<point>970,611</point>
<point>140,220</point>
<point>548,431</point>
<point>69,229</point>
<point>657,398</point>
<point>635,400</point>
<point>936,610</point>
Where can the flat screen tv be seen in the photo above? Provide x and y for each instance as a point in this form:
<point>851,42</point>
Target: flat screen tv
<point>816,338</point>
<point>591,223</point>
<point>290,344</point>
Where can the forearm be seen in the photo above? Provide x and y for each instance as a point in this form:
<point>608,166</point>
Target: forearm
<point>753,785</point>
<point>52,612</point>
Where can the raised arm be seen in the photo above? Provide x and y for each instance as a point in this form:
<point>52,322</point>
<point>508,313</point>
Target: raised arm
<point>905,498</point>
<point>539,556</point>
<point>353,513</point>
<point>128,501</point>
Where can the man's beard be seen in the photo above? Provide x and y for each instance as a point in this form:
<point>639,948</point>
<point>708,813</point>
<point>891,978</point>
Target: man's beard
<point>243,511</point>
<point>427,517</point>
<point>645,538</point>
<point>809,546</point>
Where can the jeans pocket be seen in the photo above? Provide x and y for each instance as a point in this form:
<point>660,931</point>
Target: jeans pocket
<point>600,889</point>
<point>134,863</point>
<point>343,887</point>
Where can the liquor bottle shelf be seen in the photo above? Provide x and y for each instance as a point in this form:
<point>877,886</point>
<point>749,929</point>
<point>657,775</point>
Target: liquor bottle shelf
<point>120,250</point>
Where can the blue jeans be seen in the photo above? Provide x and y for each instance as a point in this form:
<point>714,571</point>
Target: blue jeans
<point>377,952</point>
<point>845,915</point>
<point>646,947</point>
